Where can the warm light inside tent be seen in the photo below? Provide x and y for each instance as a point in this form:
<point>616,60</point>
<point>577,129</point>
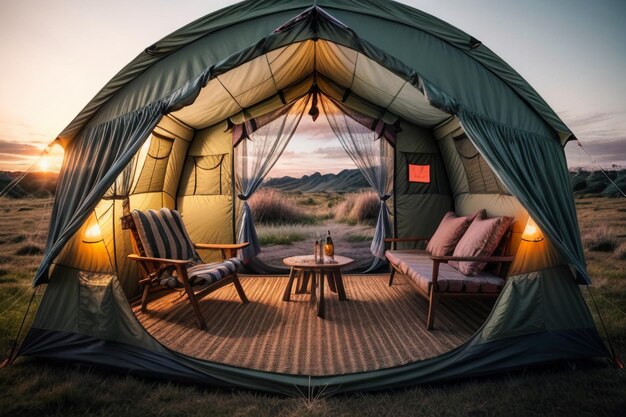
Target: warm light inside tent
<point>532,233</point>
<point>93,234</point>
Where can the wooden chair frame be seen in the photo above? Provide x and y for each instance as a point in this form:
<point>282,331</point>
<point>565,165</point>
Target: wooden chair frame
<point>433,295</point>
<point>152,268</point>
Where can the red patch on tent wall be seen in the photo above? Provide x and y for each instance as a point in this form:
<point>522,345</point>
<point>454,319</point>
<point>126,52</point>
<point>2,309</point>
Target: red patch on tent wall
<point>419,173</point>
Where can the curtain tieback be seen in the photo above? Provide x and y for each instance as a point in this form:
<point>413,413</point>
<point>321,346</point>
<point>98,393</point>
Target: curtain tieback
<point>385,197</point>
<point>242,197</point>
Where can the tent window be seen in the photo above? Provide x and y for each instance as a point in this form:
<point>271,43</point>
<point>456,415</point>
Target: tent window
<point>480,177</point>
<point>207,175</point>
<point>425,173</point>
<point>152,175</point>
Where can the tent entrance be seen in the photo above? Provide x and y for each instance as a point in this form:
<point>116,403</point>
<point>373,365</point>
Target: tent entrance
<point>293,213</point>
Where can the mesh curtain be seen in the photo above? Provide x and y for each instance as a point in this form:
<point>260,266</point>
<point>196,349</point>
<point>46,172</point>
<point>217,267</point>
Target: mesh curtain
<point>255,155</point>
<point>373,155</point>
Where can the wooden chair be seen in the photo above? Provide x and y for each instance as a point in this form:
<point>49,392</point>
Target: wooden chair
<point>167,257</point>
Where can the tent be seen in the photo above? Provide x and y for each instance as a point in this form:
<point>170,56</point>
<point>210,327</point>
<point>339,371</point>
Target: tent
<point>195,120</point>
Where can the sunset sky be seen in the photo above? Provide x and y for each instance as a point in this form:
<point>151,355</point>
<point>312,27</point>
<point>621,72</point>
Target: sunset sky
<point>57,54</point>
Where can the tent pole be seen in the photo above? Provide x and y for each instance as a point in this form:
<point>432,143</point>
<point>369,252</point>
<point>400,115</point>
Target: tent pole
<point>233,193</point>
<point>395,190</point>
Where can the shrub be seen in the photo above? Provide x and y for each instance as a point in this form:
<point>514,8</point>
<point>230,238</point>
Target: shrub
<point>613,190</point>
<point>358,208</point>
<point>29,250</point>
<point>600,240</point>
<point>18,238</point>
<point>620,252</point>
<point>270,206</point>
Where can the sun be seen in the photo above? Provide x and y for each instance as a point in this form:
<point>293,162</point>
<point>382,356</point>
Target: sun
<point>44,164</point>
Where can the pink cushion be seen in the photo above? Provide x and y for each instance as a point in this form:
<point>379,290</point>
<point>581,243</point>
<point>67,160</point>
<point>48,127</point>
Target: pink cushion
<point>481,239</point>
<point>449,232</point>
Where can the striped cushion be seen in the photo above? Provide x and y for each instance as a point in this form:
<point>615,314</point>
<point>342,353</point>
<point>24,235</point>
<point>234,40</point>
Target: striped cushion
<point>211,273</point>
<point>163,234</point>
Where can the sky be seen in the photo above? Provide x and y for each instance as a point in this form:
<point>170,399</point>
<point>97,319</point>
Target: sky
<point>58,54</point>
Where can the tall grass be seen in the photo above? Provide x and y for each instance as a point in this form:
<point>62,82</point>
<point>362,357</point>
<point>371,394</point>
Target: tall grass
<point>283,234</point>
<point>271,206</point>
<point>601,239</point>
<point>358,208</point>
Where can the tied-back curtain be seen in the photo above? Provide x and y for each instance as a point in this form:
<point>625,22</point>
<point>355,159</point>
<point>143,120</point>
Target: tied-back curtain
<point>533,167</point>
<point>93,161</point>
<point>255,155</point>
<point>373,156</point>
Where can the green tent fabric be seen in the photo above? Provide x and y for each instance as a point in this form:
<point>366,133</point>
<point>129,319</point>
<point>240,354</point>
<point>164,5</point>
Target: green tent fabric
<point>380,58</point>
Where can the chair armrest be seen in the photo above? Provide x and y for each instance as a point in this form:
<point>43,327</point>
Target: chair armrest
<point>219,246</point>
<point>227,250</point>
<point>161,261</point>
<point>495,259</point>
<point>407,239</point>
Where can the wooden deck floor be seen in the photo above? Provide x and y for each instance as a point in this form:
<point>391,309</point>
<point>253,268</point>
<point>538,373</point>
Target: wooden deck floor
<point>378,327</point>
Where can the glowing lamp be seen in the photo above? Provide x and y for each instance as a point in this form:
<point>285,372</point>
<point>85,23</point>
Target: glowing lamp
<point>93,234</point>
<point>532,233</point>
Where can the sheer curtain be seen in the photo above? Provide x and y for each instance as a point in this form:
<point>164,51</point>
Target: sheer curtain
<point>255,155</point>
<point>373,155</point>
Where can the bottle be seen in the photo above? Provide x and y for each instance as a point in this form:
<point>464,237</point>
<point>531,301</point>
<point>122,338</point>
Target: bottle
<point>329,248</point>
<point>317,252</point>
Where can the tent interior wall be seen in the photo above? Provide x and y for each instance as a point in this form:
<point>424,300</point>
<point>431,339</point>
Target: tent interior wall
<point>160,135</point>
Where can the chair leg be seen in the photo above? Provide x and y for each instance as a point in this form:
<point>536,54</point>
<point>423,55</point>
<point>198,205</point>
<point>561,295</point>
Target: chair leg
<point>182,273</point>
<point>239,289</point>
<point>430,321</point>
<point>391,275</point>
<point>144,297</point>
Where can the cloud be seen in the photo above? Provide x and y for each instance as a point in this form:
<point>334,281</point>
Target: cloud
<point>332,152</point>
<point>318,131</point>
<point>18,149</point>
<point>603,135</point>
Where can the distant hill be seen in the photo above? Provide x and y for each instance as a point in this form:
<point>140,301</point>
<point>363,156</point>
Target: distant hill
<point>35,184</point>
<point>347,180</point>
<point>587,183</point>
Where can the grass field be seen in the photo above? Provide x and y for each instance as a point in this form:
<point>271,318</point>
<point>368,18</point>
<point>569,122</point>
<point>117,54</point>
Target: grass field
<point>582,389</point>
<point>288,223</point>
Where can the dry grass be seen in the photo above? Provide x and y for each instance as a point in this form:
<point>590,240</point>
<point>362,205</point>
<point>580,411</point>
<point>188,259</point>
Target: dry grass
<point>620,252</point>
<point>600,239</point>
<point>358,208</point>
<point>270,206</point>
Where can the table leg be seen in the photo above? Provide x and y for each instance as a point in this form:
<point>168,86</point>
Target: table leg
<point>304,283</point>
<point>320,303</point>
<point>339,284</point>
<point>312,275</point>
<point>330,276</point>
<point>287,294</point>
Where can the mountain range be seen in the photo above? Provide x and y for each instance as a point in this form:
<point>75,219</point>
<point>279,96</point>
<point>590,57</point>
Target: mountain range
<point>347,180</point>
<point>34,184</point>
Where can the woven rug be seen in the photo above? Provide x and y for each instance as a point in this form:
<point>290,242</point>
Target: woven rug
<point>378,327</point>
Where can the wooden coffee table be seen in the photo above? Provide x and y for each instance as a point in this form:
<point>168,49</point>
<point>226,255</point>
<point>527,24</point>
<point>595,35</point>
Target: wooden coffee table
<point>304,267</point>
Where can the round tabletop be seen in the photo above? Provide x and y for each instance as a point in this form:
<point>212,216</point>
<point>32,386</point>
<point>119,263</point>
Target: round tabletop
<point>308,261</point>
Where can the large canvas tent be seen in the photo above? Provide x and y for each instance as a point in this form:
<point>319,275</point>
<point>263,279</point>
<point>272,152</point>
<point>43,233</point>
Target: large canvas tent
<point>187,124</point>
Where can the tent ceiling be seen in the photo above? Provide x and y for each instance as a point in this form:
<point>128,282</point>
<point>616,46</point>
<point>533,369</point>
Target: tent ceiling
<point>291,70</point>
